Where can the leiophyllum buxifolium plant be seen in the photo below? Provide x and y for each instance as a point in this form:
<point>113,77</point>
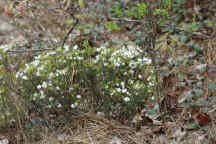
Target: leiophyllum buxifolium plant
<point>69,77</point>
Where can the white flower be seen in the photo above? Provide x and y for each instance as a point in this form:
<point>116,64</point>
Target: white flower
<point>51,74</point>
<point>118,89</point>
<point>4,141</point>
<point>75,47</point>
<point>52,53</point>
<point>74,105</point>
<point>25,77</point>
<point>42,95</point>
<point>44,85</point>
<point>131,71</point>
<point>80,58</point>
<point>124,90</point>
<point>147,60</point>
<point>126,99</point>
<point>70,89</point>
<point>128,93</point>
<point>38,57</point>
<point>117,64</point>
<point>50,83</point>
<point>63,71</point>
<point>51,99</point>
<point>98,49</point>
<point>137,86</point>
<point>58,88</point>
<point>139,60</point>
<point>66,48</point>
<point>18,74</point>
<point>36,62</point>
<point>139,76</point>
<point>39,87</point>
<point>26,68</point>
<point>78,96</point>
<point>123,84</point>
<point>41,68</point>
<point>34,96</point>
<point>38,73</point>
<point>151,83</point>
<point>59,106</point>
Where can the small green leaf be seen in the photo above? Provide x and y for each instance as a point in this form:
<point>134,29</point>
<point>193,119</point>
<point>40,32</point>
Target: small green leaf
<point>69,21</point>
<point>192,126</point>
<point>112,26</point>
<point>184,38</point>
<point>28,126</point>
<point>199,84</point>
<point>86,31</point>
<point>198,92</point>
<point>118,12</point>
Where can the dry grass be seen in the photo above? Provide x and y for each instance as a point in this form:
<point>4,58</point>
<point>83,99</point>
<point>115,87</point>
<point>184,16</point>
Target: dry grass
<point>93,129</point>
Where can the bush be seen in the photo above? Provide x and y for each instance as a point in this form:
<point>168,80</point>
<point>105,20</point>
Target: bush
<point>103,79</point>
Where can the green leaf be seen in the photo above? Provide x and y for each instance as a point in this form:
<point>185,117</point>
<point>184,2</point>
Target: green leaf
<point>118,12</point>
<point>112,26</point>
<point>199,84</point>
<point>198,92</point>
<point>28,126</point>
<point>203,101</point>
<point>187,105</point>
<point>184,38</point>
<point>192,126</point>
<point>69,21</point>
<point>211,86</point>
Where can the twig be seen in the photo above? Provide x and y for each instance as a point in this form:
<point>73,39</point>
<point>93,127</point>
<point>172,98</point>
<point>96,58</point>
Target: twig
<point>124,19</point>
<point>23,51</point>
<point>69,32</point>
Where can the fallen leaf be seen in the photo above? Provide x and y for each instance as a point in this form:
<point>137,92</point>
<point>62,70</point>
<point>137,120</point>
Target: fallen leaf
<point>202,119</point>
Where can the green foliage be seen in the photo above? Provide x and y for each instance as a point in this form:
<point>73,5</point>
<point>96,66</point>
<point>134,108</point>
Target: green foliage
<point>112,26</point>
<point>192,126</point>
<point>70,77</point>
<point>142,9</point>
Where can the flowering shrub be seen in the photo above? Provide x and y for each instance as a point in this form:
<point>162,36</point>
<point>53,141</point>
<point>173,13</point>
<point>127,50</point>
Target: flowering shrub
<point>103,78</point>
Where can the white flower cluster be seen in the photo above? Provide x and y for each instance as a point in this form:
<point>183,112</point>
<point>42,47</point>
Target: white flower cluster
<point>5,48</point>
<point>119,56</point>
<point>74,105</point>
<point>126,55</point>
<point>127,51</point>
